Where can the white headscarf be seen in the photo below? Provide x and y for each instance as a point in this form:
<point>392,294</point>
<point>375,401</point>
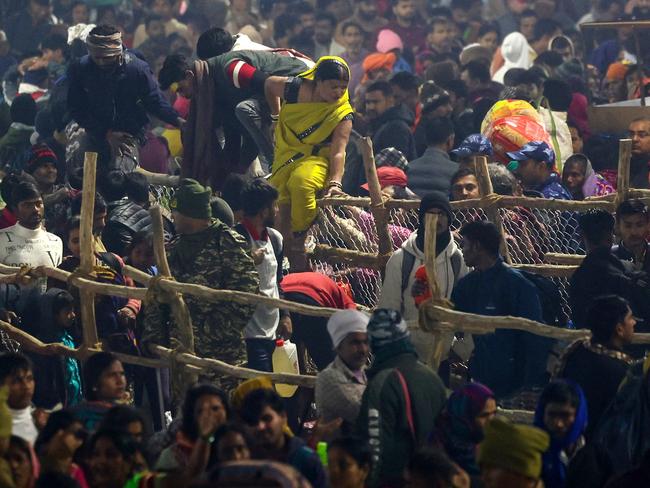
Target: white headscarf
<point>516,54</point>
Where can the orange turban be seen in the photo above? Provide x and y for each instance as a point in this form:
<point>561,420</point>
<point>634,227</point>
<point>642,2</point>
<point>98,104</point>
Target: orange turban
<point>376,61</point>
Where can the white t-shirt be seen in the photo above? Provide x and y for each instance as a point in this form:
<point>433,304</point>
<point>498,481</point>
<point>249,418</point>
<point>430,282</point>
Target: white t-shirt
<point>20,246</point>
<point>22,424</point>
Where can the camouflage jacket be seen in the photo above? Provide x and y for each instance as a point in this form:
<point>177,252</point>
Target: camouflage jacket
<point>217,258</point>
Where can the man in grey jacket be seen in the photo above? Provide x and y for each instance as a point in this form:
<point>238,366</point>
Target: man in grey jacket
<point>434,169</point>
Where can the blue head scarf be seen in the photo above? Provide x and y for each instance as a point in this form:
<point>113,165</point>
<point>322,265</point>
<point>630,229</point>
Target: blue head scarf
<point>554,470</point>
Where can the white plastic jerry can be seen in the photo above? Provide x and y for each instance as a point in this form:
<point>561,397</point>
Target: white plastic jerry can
<point>285,360</point>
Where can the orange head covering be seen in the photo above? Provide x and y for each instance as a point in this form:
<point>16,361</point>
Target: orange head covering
<point>376,61</point>
<point>616,71</point>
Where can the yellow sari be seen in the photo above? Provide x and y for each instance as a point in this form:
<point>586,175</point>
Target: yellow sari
<point>302,150</point>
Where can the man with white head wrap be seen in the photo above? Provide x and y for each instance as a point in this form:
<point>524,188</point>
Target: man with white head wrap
<point>340,386</point>
<point>111,92</point>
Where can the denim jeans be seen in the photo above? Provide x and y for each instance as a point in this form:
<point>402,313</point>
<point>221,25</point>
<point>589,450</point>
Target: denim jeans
<point>260,354</point>
<point>253,115</point>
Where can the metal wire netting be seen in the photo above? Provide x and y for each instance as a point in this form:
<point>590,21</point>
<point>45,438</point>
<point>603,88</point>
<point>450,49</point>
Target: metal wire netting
<point>529,235</point>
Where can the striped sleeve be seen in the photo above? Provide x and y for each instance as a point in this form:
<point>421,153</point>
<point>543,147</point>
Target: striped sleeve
<point>241,74</point>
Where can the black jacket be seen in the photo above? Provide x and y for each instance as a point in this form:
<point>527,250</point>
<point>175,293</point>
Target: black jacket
<point>602,273</point>
<point>118,101</point>
<point>125,219</point>
<point>393,129</point>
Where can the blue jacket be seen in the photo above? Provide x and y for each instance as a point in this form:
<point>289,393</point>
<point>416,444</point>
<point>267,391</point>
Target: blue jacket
<point>553,188</point>
<point>118,101</point>
<point>508,359</point>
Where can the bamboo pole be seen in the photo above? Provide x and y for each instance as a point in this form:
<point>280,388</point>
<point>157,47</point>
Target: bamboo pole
<point>493,214</point>
<point>623,177</point>
<point>567,259</point>
<point>324,252</point>
<point>159,178</point>
<point>430,233</point>
<point>180,312</point>
<point>377,208</point>
<point>560,271</point>
<point>87,255</point>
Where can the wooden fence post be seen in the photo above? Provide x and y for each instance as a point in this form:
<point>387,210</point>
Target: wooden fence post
<point>492,212</point>
<point>87,254</point>
<point>431,223</point>
<point>623,177</point>
<point>377,207</point>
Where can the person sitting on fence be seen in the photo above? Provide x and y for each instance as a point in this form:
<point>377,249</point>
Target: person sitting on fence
<point>205,409</point>
<point>125,215</point>
<point>599,364</point>
<point>259,201</point>
<point>579,177</point>
<point>633,227</point>
<point>104,385</point>
<point>534,165</point>
<point>264,413</point>
<point>340,386</point>
<point>562,413</point>
<point>602,273</point>
<point>464,185</point>
<point>506,359</point>
<point>312,133</point>
<point>208,253</point>
<point>396,290</point>
<point>459,428</point>
<point>397,379</point>
<point>27,243</point>
<point>318,290</point>
<point>16,372</point>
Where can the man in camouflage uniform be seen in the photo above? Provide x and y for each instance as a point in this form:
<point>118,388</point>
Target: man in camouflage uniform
<point>209,253</point>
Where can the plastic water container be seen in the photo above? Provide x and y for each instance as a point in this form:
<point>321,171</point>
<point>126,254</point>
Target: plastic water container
<point>285,360</point>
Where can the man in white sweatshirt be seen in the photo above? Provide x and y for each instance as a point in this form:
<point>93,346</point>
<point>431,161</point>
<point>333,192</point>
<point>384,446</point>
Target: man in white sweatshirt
<point>401,267</point>
<point>27,243</point>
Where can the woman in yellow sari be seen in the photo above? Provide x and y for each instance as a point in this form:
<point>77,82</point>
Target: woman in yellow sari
<point>312,131</point>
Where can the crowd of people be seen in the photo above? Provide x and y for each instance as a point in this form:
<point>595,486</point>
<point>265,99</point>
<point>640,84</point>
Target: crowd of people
<point>262,107</point>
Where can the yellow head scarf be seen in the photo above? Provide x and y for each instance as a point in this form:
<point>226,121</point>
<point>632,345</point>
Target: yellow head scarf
<point>246,387</point>
<point>303,126</point>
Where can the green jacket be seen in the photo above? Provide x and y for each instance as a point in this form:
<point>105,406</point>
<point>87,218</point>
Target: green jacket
<point>383,415</point>
<point>216,258</point>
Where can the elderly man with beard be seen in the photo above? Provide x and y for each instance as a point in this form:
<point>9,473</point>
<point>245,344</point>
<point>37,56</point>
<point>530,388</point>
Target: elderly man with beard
<point>111,92</point>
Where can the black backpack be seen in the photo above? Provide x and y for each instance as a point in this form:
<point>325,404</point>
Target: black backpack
<point>549,298</point>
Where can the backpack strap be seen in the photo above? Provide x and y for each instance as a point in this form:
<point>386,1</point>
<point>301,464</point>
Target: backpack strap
<point>456,263</point>
<point>408,261</point>
<point>407,401</point>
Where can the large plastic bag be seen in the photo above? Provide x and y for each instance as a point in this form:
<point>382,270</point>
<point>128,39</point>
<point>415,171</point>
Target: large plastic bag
<point>509,108</point>
<point>512,133</point>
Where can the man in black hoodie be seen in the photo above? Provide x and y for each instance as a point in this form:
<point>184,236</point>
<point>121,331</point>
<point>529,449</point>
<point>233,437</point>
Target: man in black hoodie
<point>390,123</point>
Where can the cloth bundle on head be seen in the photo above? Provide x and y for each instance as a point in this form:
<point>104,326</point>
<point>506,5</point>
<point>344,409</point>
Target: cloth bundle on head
<point>377,61</point>
<point>345,322</point>
<point>516,54</point>
<point>387,40</point>
<point>439,200</point>
<point>79,31</point>
<point>389,156</point>
<point>385,328</point>
<point>513,447</point>
<point>192,199</point>
<point>40,154</point>
<point>474,144</point>
<point>475,52</point>
<point>104,46</point>
<point>389,176</point>
<point>616,71</point>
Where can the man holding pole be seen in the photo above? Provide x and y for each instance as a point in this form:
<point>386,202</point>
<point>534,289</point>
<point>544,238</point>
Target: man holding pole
<point>207,253</point>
